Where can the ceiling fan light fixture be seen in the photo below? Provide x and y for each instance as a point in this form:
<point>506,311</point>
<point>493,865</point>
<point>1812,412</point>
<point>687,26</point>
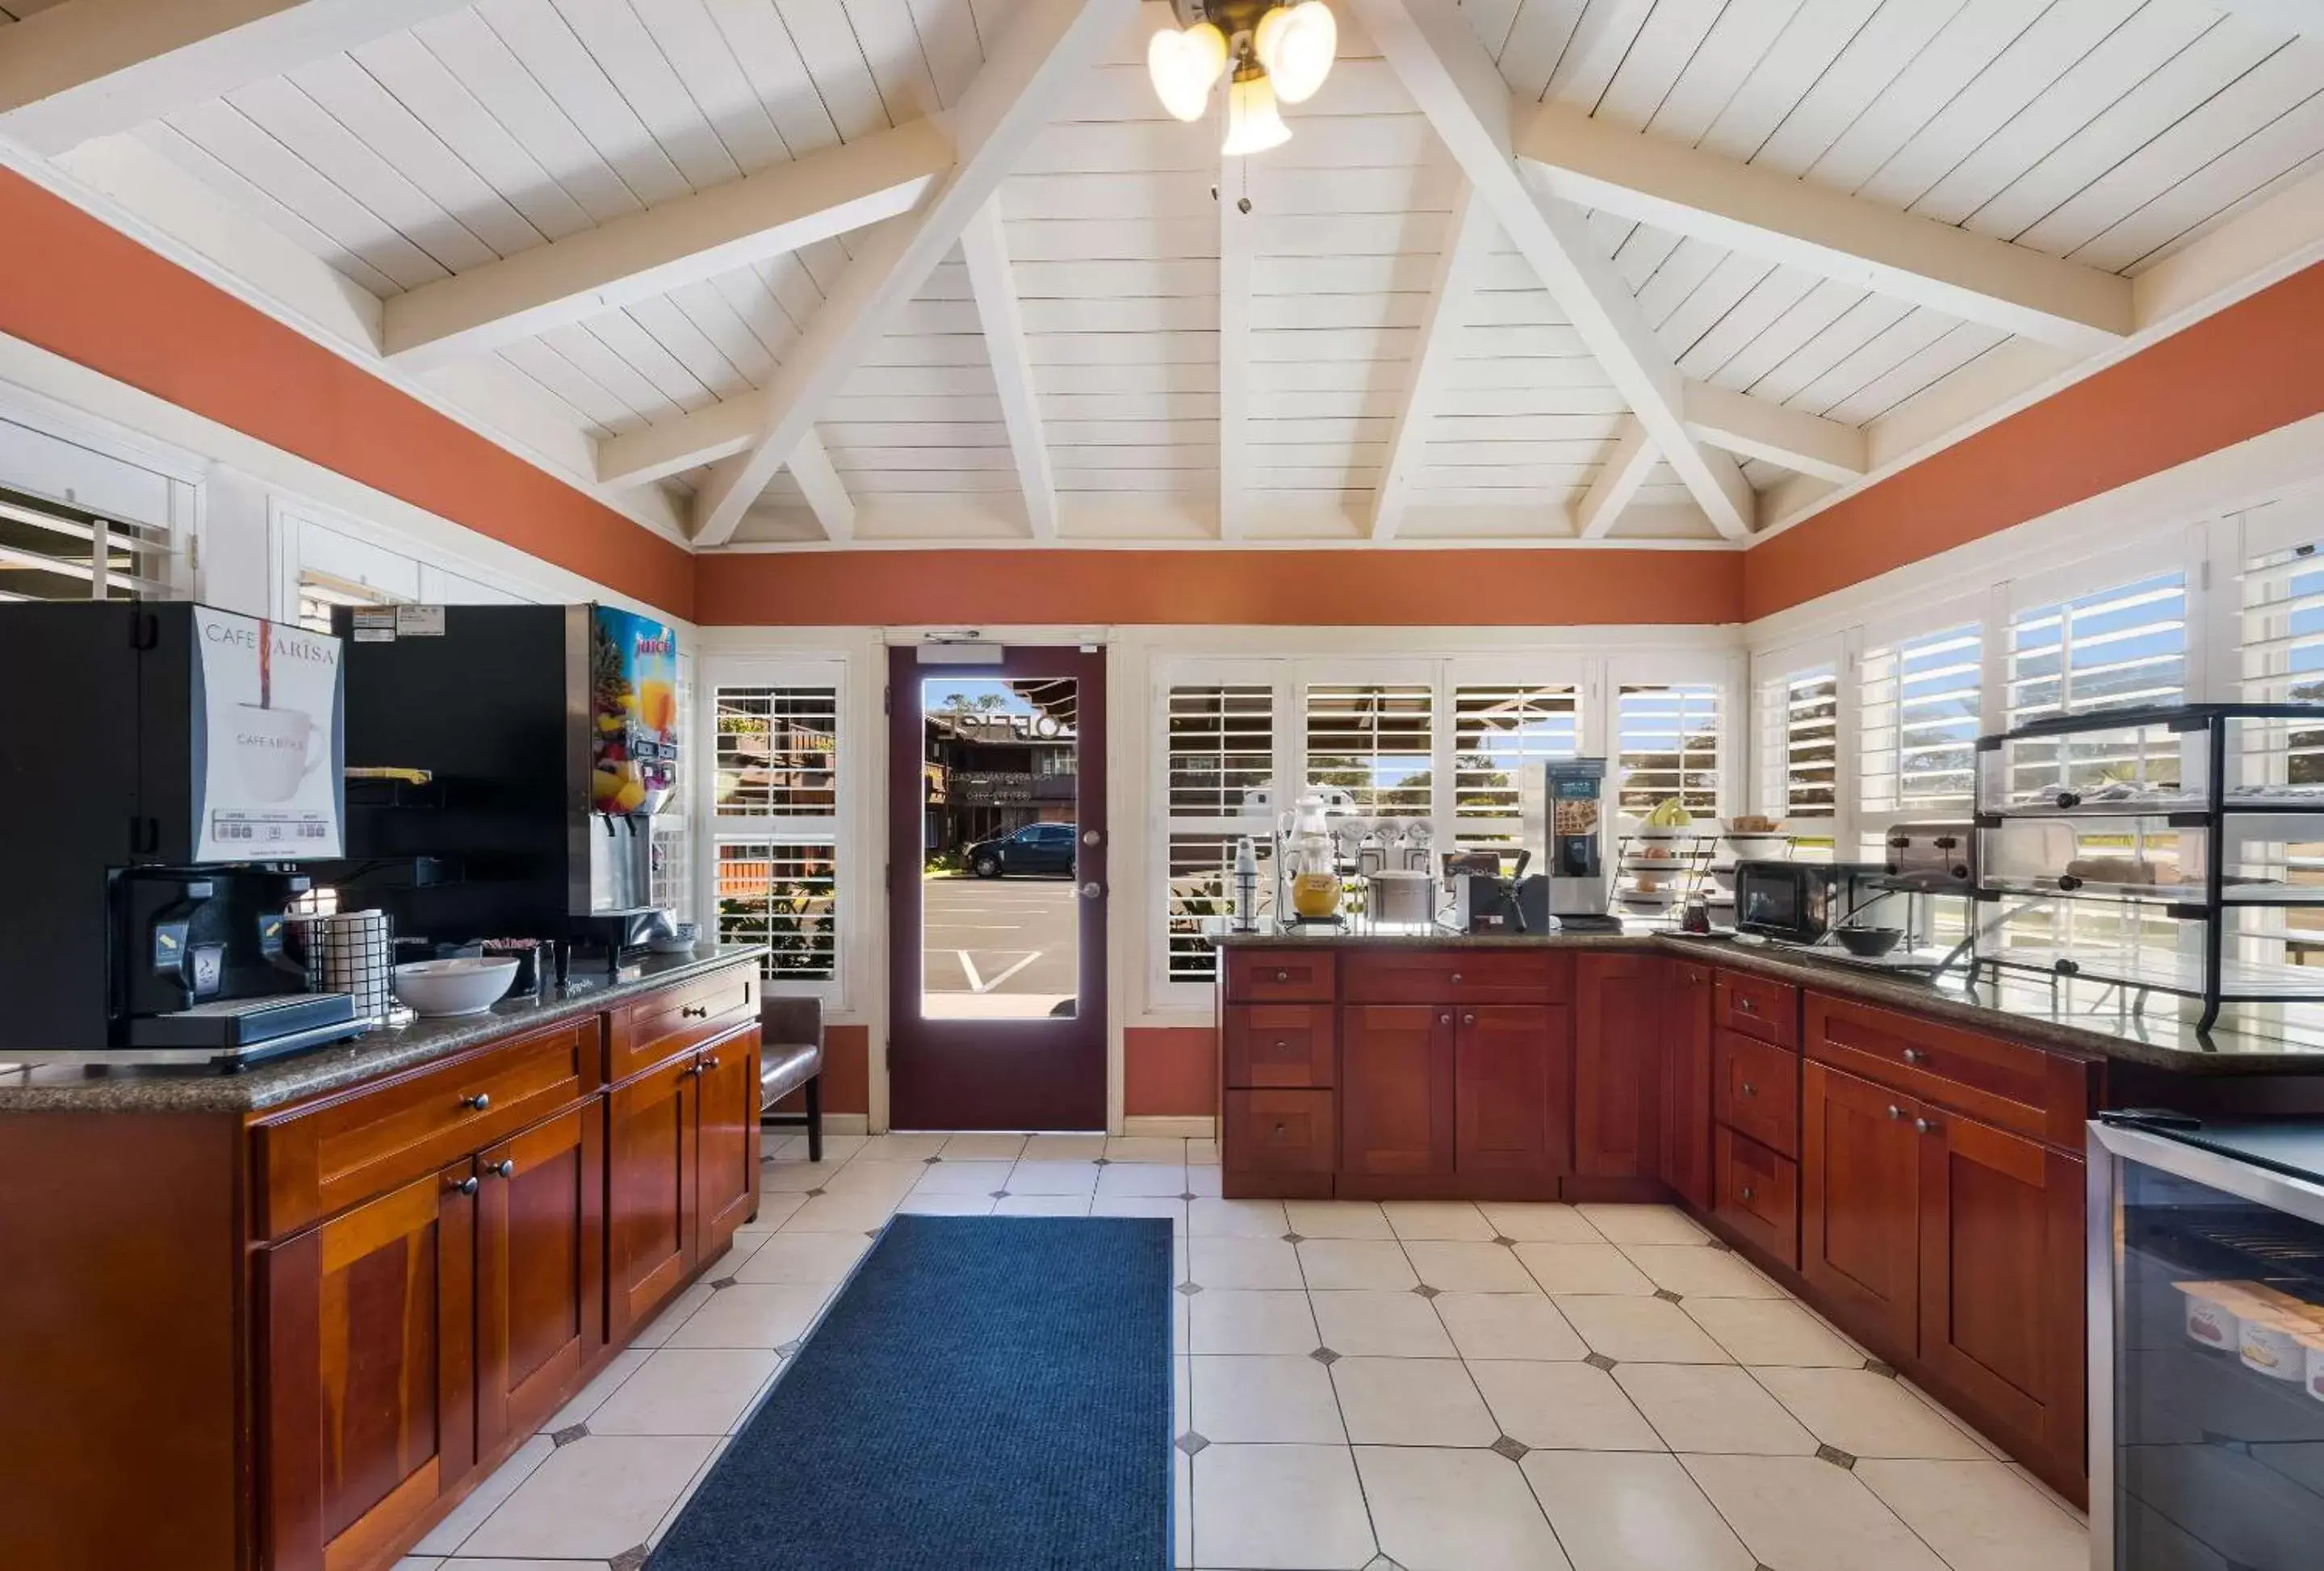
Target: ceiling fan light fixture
<point>1184,65</point>
<point>1253,124</point>
<point>1296,44</point>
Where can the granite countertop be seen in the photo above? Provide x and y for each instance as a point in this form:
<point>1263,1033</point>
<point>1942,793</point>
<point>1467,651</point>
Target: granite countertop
<point>2081,1018</point>
<point>69,1083</point>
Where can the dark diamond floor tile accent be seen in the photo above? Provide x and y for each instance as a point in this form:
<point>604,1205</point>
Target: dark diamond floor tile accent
<point>1836,1456</point>
<point>1505,1242</point>
<point>1667,1295</point>
<point>1382,1563</point>
<point>1324,1357</point>
<point>1599,1360</point>
<point>1187,1196</point>
<point>1190,1443</point>
<point>870,1233</point>
<point>1718,1244</point>
<point>1101,1161</point>
<point>1189,1289</point>
<point>930,1161</point>
<point>790,1349</point>
<point>1293,1238</point>
<point>1511,1447</point>
<point>1873,1366</point>
<point>722,1283</point>
<point>811,1194</point>
<point>566,1435</point>
<point>998,1194</point>
<point>630,1560</point>
<point>1425,1291</point>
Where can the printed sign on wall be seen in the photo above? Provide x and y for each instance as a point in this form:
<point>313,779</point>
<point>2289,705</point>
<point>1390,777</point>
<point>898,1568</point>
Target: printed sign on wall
<point>270,779</point>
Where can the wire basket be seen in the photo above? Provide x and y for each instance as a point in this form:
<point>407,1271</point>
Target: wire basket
<point>350,952</point>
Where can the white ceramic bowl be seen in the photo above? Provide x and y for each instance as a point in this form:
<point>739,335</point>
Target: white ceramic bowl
<point>466,984</point>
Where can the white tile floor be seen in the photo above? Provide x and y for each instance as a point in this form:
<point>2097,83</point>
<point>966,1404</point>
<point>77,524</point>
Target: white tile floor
<point>1359,1386</point>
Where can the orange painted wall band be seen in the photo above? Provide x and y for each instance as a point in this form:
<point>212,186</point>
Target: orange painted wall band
<point>81,288</point>
<point>1346,587</point>
<point>2251,368</point>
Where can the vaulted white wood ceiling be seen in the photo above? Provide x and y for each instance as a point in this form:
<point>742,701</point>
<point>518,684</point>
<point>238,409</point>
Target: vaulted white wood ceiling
<point>866,272</point>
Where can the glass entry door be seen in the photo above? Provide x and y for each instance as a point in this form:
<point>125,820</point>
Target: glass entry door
<point>997,890</point>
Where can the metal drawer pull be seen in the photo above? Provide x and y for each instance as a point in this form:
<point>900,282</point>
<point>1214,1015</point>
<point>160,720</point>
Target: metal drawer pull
<point>1915,1056</point>
<point>466,1186</point>
<point>1895,1111</point>
<point>1279,1129</point>
<point>1282,1047</point>
<point>1456,979</point>
<point>1924,1126</point>
<point>1283,975</point>
<point>479,1102</point>
<point>1443,1020</point>
<point>710,1063</point>
<point>1749,1089</point>
<point>695,1011</point>
<point>505,1168</point>
<point>1746,1006</point>
<point>1750,1193</point>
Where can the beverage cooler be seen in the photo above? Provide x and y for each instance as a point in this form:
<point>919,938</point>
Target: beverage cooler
<point>2206,1345</point>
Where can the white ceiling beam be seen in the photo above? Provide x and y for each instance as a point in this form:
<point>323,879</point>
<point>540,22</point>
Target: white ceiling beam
<point>656,452</point>
<point>89,68</point>
<point>780,209</point>
<point>1760,212</point>
<point>1618,478</point>
<point>826,493</point>
<point>984,247</point>
<point>1753,427</point>
<point>1027,72</point>
<point>1473,234</point>
<point>1235,253</point>
<point>1437,57</point>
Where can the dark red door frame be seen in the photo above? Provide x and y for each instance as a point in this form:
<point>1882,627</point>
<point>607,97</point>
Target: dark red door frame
<point>999,1073</point>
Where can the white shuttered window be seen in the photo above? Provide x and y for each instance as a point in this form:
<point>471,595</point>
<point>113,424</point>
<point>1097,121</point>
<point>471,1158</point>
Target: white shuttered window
<point>1218,784</point>
<point>1499,732</point>
<point>1374,740</point>
<point>1917,724</point>
<point>1666,744</point>
<point>777,759</point>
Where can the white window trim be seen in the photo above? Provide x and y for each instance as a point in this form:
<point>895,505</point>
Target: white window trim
<point>851,854</point>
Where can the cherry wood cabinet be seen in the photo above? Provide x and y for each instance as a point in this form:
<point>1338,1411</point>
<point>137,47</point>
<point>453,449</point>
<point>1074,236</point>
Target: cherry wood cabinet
<point>682,1164</point>
<point>540,1301</point>
<point>1397,1090</point>
<point>2001,1282</point>
<point>1860,1236</point>
<point>1619,1017</point>
<point>726,1139</point>
<point>1687,1083</point>
<point>1509,1061</point>
<point>369,1415</point>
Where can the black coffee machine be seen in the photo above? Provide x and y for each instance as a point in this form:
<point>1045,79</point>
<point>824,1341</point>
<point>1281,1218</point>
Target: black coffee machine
<point>181,763</point>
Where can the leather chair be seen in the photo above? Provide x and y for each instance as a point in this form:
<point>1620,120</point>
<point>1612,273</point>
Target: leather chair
<point>790,1057</point>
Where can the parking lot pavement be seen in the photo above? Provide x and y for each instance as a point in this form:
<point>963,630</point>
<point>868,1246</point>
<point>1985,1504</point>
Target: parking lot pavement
<point>996,947</point>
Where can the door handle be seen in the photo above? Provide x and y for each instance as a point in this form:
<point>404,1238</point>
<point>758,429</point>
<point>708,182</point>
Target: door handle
<point>710,1063</point>
<point>1092,890</point>
<point>479,1102</point>
<point>1750,1193</point>
<point>1924,1126</point>
<point>1443,1020</point>
<point>695,1011</point>
<point>467,1186</point>
<point>1895,1111</point>
<point>1749,1089</point>
<point>503,1169</point>
<point>1915,1056</point>
<point>1467,1020</point>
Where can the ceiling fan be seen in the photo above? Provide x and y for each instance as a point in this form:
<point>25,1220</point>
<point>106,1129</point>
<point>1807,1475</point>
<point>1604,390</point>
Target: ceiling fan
<point>1278,52</point>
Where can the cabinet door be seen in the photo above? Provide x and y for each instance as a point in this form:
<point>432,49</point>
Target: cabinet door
<point>2001,1278</point>
<point>1509,1074</point>
<point>650,1193</point>
<point>727,1149</point>
<point>540,1301</point>
<point>1687,1085</point>
<point>370,1375</point>
<point>1617,1052</point>
<point>1860,1205</point>
<point>1396,1099</point>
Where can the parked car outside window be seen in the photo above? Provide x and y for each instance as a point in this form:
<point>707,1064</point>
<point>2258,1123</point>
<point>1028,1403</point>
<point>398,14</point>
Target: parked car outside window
<point>1035,850</point>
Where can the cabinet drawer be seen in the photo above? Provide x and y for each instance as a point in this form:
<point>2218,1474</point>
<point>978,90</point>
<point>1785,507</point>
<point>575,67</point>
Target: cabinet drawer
<point>1758,1092</point>
<point>2044,1095</point>
<point>1279,1131</point>
<point>1278,976</point>
<point>1757,1006</point>
<point>1758,1193</point>
<point>1279,1044</point>
<point>674,1019</point>
<point>326,1156</point>
<point>1459,977</point>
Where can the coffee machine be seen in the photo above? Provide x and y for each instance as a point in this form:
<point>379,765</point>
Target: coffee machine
<point>1565,808</point>
<point>548,735</point>
<point>179,771</point>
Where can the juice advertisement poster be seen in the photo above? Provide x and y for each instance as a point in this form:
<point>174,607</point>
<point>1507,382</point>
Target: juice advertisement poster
<point>633,706</point>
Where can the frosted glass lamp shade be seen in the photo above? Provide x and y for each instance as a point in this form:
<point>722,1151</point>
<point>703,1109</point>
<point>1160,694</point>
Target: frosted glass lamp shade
<point>1184,65</point>
<point>1296,44</point>
<point>1253,126</point>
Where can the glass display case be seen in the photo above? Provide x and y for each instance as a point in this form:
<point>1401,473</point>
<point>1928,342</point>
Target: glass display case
<point>2206,1264</point>
<point>2175,851</point>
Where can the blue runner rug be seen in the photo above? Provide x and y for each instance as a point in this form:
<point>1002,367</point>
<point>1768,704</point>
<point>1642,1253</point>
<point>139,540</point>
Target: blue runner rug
<point>986,1393</point>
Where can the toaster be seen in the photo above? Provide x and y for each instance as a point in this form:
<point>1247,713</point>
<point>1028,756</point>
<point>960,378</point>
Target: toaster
<point>1932,858</point>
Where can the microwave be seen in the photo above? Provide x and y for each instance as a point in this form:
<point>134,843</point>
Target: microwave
<point>1798,903</point>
